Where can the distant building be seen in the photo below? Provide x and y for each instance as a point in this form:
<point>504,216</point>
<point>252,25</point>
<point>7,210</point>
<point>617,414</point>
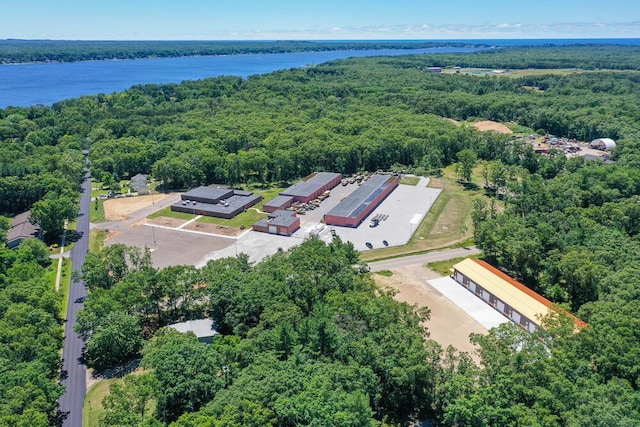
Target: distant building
<point>603,144</point>
<point>281,222</point>
<point>216,201</point>
<point>509,297</point>
<point>434,69</point>
<point>312,186</point>
<point>202,328</point>
<point>139,184</point>
<point>351,211</point>
<point>278,203</point>
<point>21,229</point>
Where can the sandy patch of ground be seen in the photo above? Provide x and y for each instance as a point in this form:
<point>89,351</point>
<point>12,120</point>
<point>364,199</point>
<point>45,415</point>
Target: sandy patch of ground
<point>166,221</point>
<point>119,209</point>
<point>449,324</point>
<point>214,228</point>
<point>488,125</point>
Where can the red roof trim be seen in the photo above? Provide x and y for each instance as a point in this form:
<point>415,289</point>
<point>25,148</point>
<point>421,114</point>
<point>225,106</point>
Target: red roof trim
<point>579,323</point>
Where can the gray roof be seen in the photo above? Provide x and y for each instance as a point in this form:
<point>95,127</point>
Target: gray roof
<point>280,218</point>
<point>21,228</point>
<point>311,184</point>
<point>138,182</point>
<point>278,201</point>
<point>216,193</point>
<point>202,328</point>
<point>364,195</point>
<point>233,203</point>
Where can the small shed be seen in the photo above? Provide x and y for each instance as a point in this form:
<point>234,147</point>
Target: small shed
<point>202,328</point>
<point>281,222</point>
<point>603,144</point>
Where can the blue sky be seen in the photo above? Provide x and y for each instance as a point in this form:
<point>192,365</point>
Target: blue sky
<point>320,19</point>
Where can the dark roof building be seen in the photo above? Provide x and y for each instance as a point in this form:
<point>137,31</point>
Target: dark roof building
<point>21,229</point>
<point>277,203</point>
<point>216,201</point>
<point>210,194</point>
<point>312,186</point>
<point>280,222</point>
<point>351,211</point>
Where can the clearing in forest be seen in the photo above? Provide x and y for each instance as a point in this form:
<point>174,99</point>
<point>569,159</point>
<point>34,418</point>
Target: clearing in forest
<point>488,125</point>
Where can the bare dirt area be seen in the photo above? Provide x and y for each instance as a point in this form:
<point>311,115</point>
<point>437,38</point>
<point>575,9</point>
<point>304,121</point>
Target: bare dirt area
<point>449,324</point>
<point>166,221</point>
<point>214,229</point>
<point>120,209</point>
<point>488,125</point>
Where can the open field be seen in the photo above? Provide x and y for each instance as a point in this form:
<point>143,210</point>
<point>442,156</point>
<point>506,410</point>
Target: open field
<point>119,209</point>
<point>488,125</point>
<point>449,324</point>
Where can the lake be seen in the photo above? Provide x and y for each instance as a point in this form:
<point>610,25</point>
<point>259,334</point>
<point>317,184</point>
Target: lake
<point>23,85</point>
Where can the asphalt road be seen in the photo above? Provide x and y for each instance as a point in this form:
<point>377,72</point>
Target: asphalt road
<point>74,373</point>
<point>390,264</point>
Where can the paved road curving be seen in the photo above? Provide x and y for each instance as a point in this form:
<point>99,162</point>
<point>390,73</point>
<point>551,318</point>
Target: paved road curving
<point>390,264</point>
<point>74,375</point>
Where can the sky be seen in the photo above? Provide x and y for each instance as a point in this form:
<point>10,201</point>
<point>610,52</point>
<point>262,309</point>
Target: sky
<point>318,20</point>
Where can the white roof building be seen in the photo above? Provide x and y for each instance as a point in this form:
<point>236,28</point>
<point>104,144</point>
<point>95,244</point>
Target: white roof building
<point>604,144</point>
<point>202,328</point>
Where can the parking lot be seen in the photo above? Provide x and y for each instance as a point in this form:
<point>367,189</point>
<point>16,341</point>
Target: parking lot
<point>402,211</point>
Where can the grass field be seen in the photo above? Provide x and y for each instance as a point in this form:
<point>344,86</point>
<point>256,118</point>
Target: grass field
<point>444,267</point>
<point>244,219</point>
<point>93,401</point>
<point>410,180</point>
<point>448,222</point>
<point>97,215</point>
<point>96,240</point>
<point>65,285</point>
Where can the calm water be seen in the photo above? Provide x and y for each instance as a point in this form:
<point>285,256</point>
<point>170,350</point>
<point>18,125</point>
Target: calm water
<point>29,84</point>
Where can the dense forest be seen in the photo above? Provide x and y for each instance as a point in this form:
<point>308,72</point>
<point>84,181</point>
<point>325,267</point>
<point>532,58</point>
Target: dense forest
<point>306,339</point>
<point>19,51</point>
<point>30,336</point>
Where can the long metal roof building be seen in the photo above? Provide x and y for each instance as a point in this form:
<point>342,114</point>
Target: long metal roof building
<point>504,293</point>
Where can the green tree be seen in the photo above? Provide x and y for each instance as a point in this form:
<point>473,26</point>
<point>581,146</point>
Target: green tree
<point>116,339</point>
<point>51,213</point>
<point>467,159</point>
<point>127,404</point>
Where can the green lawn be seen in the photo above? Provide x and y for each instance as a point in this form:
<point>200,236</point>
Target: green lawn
<point>97,215</point>
<point>246,219</point>
<point>96,240</point>
<point>410,180</point>
<point>167,212</point>
<point>444,267</point>
<point>65,285</point>
<point>93,401</point>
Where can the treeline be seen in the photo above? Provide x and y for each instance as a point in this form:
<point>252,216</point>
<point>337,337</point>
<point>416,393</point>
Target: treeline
<point>30,336</point>
<point>19,51</point>
<point>346,116</point>
<point>581,57</point>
